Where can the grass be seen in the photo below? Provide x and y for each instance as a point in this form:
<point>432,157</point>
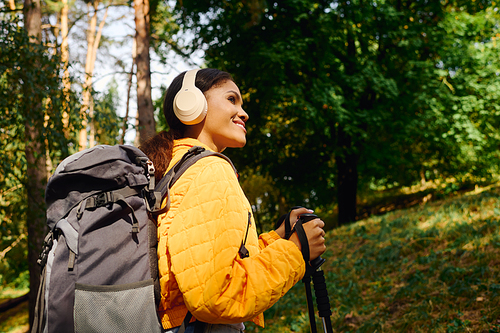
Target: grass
<point>429,268</point>
<point>434,267</point>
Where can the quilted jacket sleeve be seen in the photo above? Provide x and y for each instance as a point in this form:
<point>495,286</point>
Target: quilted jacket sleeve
<point>204,238</point>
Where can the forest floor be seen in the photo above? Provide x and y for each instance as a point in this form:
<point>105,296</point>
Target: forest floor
<point>14,320</point>
<point>427,262</point>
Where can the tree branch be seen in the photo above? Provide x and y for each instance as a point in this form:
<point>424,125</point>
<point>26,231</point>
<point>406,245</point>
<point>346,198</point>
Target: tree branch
<point>9,10</point>
<point>11,189</point>
<point>11,246</point>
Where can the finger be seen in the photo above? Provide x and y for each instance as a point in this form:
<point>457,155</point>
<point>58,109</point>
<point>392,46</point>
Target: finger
<point>299,211</point>
<point>294,215</point>
<point>316,223</point>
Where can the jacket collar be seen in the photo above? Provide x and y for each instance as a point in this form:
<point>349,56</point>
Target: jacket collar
<point>186,143</point>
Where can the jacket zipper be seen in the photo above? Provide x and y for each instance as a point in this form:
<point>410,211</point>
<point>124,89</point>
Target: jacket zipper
<point>243,252</point>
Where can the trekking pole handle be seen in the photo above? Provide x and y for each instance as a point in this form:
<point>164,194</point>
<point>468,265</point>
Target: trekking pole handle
<point>314,270</point>
<point>316,263</point>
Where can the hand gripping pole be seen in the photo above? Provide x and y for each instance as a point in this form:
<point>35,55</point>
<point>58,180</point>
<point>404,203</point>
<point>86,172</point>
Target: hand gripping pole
<point>313,268</point>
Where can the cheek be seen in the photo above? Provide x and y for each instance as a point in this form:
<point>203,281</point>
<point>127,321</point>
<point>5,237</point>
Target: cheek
<point>214,121</point>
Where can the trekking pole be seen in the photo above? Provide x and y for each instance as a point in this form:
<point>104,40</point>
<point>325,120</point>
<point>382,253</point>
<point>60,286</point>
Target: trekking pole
<point>313,268</point>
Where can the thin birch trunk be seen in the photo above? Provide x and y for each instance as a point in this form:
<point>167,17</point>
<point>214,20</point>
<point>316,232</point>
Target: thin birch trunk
<point>88,76</point>
<point>129,88</point>
<point>92,124</point>
<point>65,61</point>
<point>93,40</point>
<point>49,164</point>
<point>137,143</point>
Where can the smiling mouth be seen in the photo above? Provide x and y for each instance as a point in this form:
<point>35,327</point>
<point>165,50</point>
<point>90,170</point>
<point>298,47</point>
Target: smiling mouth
<point>241,125</point>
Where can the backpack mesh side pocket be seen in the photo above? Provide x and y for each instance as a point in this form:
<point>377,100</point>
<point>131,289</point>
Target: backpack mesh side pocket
<point>116,308</point>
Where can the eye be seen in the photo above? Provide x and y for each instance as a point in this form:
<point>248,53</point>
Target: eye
<point>232,99</point>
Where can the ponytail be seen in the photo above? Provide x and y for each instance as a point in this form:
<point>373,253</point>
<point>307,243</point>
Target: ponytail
<point>159,150</point>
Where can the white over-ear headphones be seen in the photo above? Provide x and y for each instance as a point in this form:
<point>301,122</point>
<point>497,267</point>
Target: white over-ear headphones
<point>190,105</point>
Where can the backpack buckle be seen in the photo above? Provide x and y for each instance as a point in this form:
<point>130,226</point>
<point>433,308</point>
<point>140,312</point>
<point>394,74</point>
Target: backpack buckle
<point>102,199</point>
<point>196,150</point>
<point>47,246</point>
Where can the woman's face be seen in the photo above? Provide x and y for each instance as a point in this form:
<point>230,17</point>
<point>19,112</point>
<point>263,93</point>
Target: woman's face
<point>224,125</point>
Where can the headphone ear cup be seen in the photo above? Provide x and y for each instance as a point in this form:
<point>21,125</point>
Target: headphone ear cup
<point>190,105</point>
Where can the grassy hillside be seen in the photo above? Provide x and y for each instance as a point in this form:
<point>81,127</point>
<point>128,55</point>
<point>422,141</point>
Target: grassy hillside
<point>429,268</point>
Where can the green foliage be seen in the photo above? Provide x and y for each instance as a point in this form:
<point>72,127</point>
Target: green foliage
<point>263,194</point>
<point>161,122</point>
<point>12,228</point>
<point>106,121</point>
<point>399,88</point>
<point>464,104</point>
<point>163,28</point>
<point>29,95</point>
<point>432,268</point>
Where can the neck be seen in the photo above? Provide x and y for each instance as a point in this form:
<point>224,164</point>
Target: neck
<point>196,132</point>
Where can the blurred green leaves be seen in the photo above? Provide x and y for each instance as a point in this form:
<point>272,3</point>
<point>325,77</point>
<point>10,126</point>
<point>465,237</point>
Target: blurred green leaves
<point>408,88</point>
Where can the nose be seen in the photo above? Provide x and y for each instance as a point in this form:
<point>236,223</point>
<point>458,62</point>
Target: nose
<point>243,115</point>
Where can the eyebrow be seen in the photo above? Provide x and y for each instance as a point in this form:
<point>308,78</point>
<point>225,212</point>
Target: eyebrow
<point>236,93</point>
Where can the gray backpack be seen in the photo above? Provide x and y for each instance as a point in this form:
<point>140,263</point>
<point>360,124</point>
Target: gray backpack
<point>99,261</point>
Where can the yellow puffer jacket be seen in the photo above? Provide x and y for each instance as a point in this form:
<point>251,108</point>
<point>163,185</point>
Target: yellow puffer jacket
<point>199,238</point>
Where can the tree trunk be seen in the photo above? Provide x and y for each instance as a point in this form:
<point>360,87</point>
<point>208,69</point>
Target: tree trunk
<point>36,175</point>
<point>93,40</point>
<point>346,157</point>
<point>347,171</point>
<point>87,85</point>
<point>145,110</point>
<point>65,61</point>
<point>129,88</point>
<point>92,123</point>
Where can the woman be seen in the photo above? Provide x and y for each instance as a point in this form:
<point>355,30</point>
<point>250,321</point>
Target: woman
<point>209,219</point>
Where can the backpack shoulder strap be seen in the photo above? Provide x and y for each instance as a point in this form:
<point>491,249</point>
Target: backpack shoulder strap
<point>162,189</point>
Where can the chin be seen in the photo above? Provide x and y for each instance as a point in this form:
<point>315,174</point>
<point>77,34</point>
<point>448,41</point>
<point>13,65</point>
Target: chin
<point>239,144</point>
<point>242,143</point>
<point>233,141</point>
